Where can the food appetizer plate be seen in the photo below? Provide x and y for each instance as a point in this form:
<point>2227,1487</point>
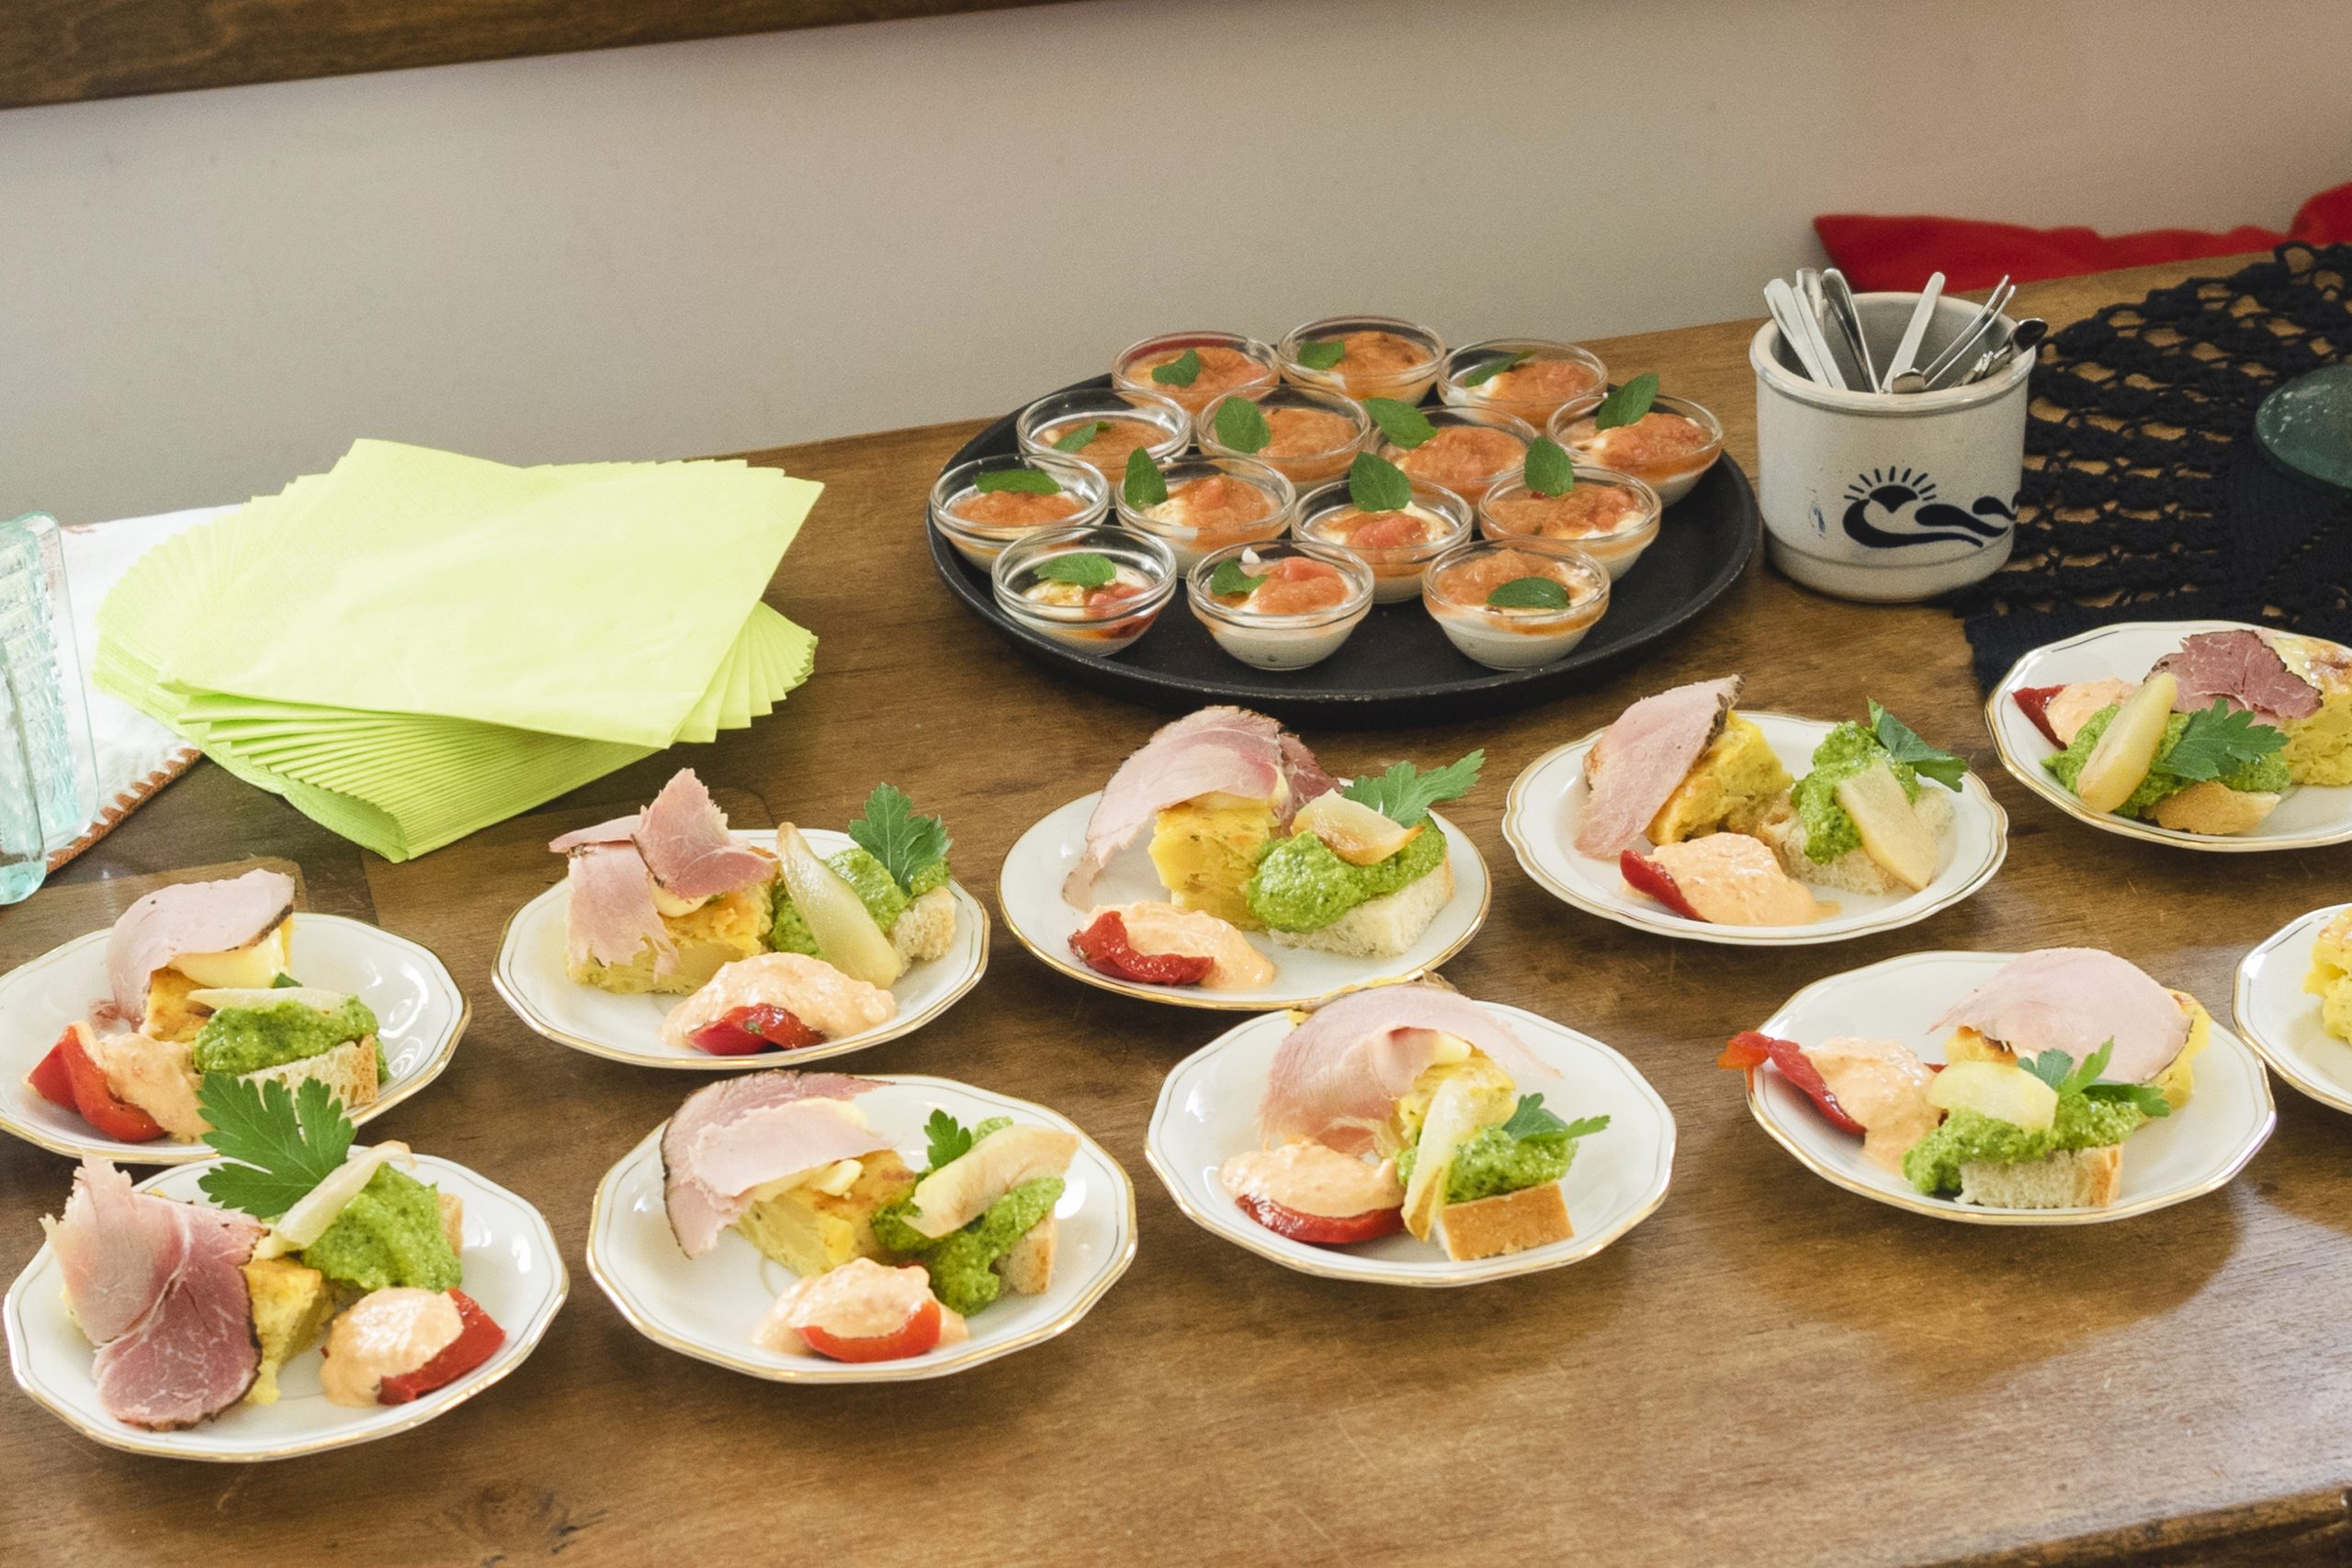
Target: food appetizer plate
<point>513,1269</point>
<point>2310,815</point>
<point>1030,892</point>
<point>530,976</point>
<point>419,1012</point>
<point>1547,802</point>
<point>1397,669</point>
<point>1208,1112</point>
<point>2281,1020</point>
<point>2184,1155</point>
<point>707,1307</point>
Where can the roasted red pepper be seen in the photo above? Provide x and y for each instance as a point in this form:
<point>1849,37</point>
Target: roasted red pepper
<point>920,1332</point>
<point>2034,703</point>
<point>52,1079</point>
<point>759,1027</point>
<point>1751,1050</point>
<point>1104,948</point>
<point>478,1337</point>
<point>1648,876</point>
<point>95,1101</point>
<point>1320,1229</point>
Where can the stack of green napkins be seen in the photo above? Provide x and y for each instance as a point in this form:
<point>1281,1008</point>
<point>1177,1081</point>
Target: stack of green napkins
<point>415,644</point>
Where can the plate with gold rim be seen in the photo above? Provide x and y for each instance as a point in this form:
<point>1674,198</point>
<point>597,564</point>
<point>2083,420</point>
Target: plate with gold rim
<point>1547,800</point>
<point>530,977</point>
<point>2308,817</point>
<point>2283,1022</point>
<point>707,1307</point>
<point>1030,894</point>
<point>2196,1150</point>
<point>512,1268</point>
<point>420,1016</point>
<point>1207,1113</point>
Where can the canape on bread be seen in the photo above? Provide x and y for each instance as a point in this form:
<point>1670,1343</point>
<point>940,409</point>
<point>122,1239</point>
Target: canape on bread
<point>233,932</point>
<point>660,899</point>
<point>1871,814</point>
<point>1677,765</point>
<point>2331,975</point>
<point>895,871</point>
<point>1395,1108</point>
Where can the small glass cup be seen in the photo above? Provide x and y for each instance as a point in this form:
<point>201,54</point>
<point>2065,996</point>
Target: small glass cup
<point>1444,460</point>
<point>1156,424</point>
<point>1611,516</point>
<point>1280,641</point>
<point>1671,474</point>
<point>1081,619</point>
<point>1305,447</point>
<point>1396,358</point>
<point>1458,582</point>
<point>1555,376</point>
<point>1229,483</point>
<point>1328,515</point>
<point>980,524</point>
<point>1229,363</point>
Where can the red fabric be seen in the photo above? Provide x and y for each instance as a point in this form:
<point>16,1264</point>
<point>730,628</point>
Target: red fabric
<point>1899,252</point>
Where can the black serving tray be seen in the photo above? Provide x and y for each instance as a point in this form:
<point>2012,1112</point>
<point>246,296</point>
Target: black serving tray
<point>1398,669</point>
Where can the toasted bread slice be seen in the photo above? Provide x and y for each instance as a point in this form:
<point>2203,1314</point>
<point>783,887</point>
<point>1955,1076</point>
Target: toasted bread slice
<point>1382,927</point>
<point>2214,808</point>
<point>349,1071</point>
<point>1028,1268</point>
<point>1853,872</point>
<point>1533,1216</point>
<point>2071,1178</point>
<point>926,928</point>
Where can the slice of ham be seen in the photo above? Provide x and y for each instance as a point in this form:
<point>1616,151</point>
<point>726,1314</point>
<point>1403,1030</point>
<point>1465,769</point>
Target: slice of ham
<point>1216,749</point>
<point>618,832</point>
<point>1643,758</point>
<point>734,1136</point>
<point>2072,999</point>
<point>682,840</point>
<point>159,1287</point>
<point>191,916</point>
<point>2242,670</point>
<point>609,915</point>
<point>1336,1077</point>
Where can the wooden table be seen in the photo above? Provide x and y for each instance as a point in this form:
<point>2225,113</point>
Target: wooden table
<point>1768,1370</point>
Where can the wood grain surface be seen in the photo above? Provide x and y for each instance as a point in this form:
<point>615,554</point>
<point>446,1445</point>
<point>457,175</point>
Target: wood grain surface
<point>1769,1371</point>
<point>57,52</point>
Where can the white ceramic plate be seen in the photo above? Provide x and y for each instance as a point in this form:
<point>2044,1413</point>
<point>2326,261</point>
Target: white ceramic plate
<point>1030,892</point>
<point>1547,802</point>
<point>530,976</point>
<point>2310,815</point>
<point>2192,1152</point>
<point>1208,1112</point>
<point>513,1269</point>
<point>2281,1020</point>
<point>419,1012</point>
<point>707,1307</point>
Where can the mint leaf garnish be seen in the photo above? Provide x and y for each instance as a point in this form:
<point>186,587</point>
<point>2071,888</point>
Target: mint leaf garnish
<point>1486,372</point>
<point>1627,403</point>
<point>1375,484</point>
<point>1549,469</point>
<point>1402,423</point>
<point>1904,745</point>
<point>1530,594</point>
<point>1080,438</point>
<point>1321,354</point>
<point>1231,579</point>
<point>1082,567</point>
<point>1144,485</point>
<point>1242,425</point>
<point>1029,482</point>
<point>1181,371</point>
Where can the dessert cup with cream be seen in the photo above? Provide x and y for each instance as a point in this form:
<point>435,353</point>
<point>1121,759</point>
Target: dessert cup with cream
<point>1461,585</point>
<point>981,522</point>
<point>1397,545</point>
<point>1224,361</point>
<point>1611,516</point>
<point>1470,451</point>
<point>1382,356</point>
<point>1297,603</point>
<point>1114,423</point>
<point>1668,448</point>
<point>1547,377</point>
<point>1213,503</point>
<point>1311,435</point>
<point>1096,618</point>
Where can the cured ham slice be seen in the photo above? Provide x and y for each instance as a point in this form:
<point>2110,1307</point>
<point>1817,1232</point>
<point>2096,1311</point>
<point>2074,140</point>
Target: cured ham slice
<point>159,1287</point>
<point>682,839</point>
<point>1336,1077</point>
<point>1641,759</point>
<point>1221,749</point>
<point>191,917</point>
<point>611,917</point>
<point>741,1135</point>
<point>2074,999</point>
<point>2242,670</point>
<point>616,831</point>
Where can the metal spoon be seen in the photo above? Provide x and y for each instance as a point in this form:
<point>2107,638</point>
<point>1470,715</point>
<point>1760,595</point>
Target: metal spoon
<point>1788,314</point>
<point>1816,314</point>
<point>1898,370</point>
<point>2028,334</point>
<point>1848,317</point>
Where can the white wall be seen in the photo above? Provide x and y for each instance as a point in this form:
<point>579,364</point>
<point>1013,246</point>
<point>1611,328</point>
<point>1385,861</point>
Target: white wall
<point>708,246</point>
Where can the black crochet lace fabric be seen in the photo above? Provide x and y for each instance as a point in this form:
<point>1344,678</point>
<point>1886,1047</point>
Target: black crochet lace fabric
<point>2147,496</point>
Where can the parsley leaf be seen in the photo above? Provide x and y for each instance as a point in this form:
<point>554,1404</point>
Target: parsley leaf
<point>1241,425</point>
<point>1181,371</point>
<point>1530,594</point>
<point>1081,436</point>
<point>1494,368</point>
<point>1321,354</point>
<point>1405,794</point>
<point>1529,1118</point>
<point>893,832</point>
<point>1082,567</point>
<point>2060,1071</point>
<point>1904,745</point>
<point>1144,485</point>
<point>2218,742</point>
<point>1231,577</point>
<point>1404,426</point>
<point>2052,1067</point>
<point>1628,403</point>
<point>949,1139</point>
<point>1549,471</point>
<point>1375,484</point>
<point>286,1144</point>
<point>2150,1100</point>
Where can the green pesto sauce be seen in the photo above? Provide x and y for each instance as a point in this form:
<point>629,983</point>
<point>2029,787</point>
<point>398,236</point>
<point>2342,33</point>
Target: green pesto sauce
<point>961,1263</point>
<point>1494,1163</point>
<point>1300,885</point>
<point>246,1039</point>
<point>389,1234</point>
<point>1846,751</point>
<point>1932,1165</point>
<point>2266,774</point>
<point>875,888</point>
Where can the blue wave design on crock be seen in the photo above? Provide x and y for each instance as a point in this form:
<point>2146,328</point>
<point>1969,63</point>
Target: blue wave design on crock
<point>1937,521</point>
